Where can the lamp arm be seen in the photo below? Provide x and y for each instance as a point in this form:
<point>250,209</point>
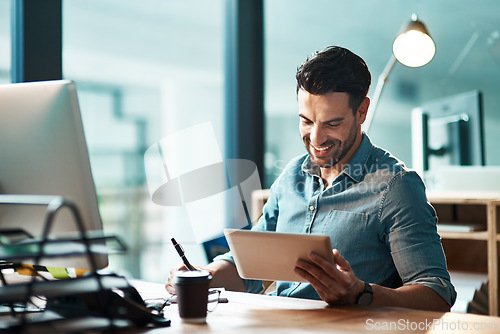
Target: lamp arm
<point>382,79</point>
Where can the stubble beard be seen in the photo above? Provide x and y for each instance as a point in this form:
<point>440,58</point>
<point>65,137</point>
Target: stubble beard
<point>339,149</point>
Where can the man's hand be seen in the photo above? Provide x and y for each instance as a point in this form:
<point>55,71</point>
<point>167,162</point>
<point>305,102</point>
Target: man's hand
<point>335,282</point>
<point>170,286</point>
<point>223,273</point>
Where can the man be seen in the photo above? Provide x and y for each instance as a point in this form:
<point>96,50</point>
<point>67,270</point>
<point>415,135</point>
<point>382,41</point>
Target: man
<point>386,248</point>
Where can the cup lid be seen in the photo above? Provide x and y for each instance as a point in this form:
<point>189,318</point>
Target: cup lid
<point>192,276</point>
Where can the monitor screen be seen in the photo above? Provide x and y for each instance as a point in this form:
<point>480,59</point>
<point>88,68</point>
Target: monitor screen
<point>44,152</point>
<point>448,132</point>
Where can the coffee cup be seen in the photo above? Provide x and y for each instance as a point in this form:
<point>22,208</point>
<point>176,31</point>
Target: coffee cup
<point>192,295</point>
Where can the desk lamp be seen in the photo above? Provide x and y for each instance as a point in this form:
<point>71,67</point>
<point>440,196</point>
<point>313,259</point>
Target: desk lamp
<point>414,48</point>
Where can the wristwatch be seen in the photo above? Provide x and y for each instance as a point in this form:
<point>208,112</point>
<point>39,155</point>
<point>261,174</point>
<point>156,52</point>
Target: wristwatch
<point>366,296</point>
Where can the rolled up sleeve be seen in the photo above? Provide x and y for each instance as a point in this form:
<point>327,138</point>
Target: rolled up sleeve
<point>419,259</point>
<point>412,238</point>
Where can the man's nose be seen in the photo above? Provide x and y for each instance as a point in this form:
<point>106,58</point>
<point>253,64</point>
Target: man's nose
<point>317,136</point>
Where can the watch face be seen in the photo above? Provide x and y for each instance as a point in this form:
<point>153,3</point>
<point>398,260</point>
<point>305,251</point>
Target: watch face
<point>365,298</point>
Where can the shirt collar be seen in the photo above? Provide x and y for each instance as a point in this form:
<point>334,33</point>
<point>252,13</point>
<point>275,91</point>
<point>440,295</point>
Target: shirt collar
<point>355,169</point>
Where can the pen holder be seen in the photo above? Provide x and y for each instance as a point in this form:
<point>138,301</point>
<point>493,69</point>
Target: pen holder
<point>192,295</point>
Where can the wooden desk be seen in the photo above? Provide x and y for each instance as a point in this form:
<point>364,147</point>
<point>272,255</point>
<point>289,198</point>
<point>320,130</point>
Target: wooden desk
<point>250,313</point>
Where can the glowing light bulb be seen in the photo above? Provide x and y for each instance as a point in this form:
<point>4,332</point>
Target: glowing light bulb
<point>414,48</point>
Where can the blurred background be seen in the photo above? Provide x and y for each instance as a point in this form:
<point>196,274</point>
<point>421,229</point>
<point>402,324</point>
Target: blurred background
<point>146,69</point>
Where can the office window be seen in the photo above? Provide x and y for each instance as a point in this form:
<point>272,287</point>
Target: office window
<point>143,70</point>
<point>5,41</point>
<point>467,58</point>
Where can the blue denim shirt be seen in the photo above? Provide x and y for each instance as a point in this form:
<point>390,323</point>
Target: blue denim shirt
<point>376,213</point>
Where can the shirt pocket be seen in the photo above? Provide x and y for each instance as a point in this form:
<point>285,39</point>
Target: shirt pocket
<point>347,230</point>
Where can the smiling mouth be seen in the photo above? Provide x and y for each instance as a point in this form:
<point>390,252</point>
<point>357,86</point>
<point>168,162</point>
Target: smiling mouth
<point>320,152</point>
<point>321,149</point>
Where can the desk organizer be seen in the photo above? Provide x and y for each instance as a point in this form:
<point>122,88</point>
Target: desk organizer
<point>91,301</point>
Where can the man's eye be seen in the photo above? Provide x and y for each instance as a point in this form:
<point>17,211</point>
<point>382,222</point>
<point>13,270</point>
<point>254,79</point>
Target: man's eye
<point>333,125</point>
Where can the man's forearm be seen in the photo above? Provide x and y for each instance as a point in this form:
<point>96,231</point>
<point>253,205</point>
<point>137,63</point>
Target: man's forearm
<point>224,274</point>
<point>409,296</point>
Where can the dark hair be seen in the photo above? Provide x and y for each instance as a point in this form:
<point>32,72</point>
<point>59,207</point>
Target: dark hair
<point>335,69</point>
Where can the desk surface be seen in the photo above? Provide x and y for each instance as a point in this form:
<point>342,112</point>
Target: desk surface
<point>250,313</point>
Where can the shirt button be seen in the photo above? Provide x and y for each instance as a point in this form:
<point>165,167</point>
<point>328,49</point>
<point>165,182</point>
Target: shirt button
<point>311,208</point>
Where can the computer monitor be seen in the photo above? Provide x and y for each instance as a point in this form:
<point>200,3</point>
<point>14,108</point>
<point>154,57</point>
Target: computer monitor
<point>448,132</point>
<point>43,152</point>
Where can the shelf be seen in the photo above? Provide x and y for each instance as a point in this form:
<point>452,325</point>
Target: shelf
<point>482,235</point>
<point>469,197</point>
<point>463,231</point>
<point>461,227</point>
<point>475,216</point>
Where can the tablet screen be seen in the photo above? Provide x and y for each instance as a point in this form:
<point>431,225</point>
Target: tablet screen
<point>273,255</point>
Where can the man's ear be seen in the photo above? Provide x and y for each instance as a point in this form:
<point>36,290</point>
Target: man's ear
<point>363,110</point>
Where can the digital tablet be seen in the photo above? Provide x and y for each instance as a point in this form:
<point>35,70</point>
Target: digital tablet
<point>272,255</point>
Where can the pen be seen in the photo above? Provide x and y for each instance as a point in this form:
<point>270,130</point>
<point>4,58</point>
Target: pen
<point>181,253</point>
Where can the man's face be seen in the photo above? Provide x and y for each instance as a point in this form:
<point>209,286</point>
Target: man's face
<point>329,129</point>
